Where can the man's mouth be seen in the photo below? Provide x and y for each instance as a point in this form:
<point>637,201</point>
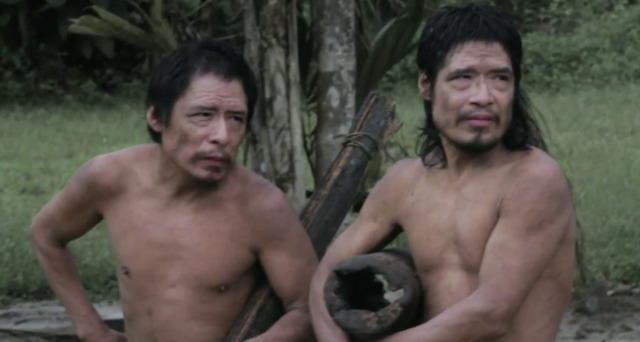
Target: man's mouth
<point>216,161</point>
<point>479,119</point>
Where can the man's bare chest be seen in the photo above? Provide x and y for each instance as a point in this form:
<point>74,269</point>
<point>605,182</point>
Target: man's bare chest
<point>450,229</point>
<point>179,244</point>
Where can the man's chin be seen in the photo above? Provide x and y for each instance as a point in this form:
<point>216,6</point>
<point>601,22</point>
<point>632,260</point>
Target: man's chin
<point>212,175</point>
<point>476,147</point>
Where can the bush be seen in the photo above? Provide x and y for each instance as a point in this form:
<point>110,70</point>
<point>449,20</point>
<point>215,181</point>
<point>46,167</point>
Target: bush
<point>600,53</point>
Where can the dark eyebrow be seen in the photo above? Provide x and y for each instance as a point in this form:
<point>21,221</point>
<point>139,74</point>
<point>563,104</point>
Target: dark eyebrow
<point>458,72</point>
<point>201,108</point>
<point>502,71</point>
<point>238,112</point>
<point>211,109</point>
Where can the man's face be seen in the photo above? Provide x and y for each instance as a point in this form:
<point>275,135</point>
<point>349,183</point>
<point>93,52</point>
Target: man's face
<point>207,125</point>
<point>472,97</point>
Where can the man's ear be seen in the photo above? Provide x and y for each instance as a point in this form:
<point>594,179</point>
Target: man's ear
<point>153,121</point>
<point>424,86</point>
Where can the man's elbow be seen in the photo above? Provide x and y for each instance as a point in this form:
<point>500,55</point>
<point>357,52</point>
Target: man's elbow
<point>42,240</point>
<point>497,319</point>
<point>36,236</point>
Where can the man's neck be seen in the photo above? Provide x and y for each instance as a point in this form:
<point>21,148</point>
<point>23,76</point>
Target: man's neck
<point>180,183</point>
<point>460,162</point>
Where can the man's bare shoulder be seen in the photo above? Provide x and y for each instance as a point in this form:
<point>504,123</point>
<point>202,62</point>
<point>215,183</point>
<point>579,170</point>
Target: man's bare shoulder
<point>266,209</point>
<point>108,171</point>
<point>537,167</point>
<point>259,194</point>
<point>404,173</point>
<point>538,181</point>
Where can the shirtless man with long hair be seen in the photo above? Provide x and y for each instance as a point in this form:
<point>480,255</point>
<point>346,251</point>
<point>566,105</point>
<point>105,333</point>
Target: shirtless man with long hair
<point>190,227</point>
<point>487,213</point>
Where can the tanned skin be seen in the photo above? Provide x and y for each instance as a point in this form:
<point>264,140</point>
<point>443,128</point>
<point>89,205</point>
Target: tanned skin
<point>491,231</point>
<point>189,226</point>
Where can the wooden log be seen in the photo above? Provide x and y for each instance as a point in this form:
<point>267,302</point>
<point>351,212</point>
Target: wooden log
<point>373,295</point>
<point>326,208</point>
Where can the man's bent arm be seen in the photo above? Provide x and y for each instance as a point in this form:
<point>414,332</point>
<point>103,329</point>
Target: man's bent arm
<point>288,259</point>
<point>372,230</point>
<point>536,219</point>
<point>67,216</point>
<point>323,325</point>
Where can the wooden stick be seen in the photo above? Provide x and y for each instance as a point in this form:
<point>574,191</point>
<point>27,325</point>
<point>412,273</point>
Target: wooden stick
<point>326,208</point>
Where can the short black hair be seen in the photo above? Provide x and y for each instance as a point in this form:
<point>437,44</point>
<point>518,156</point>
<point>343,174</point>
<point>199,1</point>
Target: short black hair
<point>175,72</point>
<point>449,28</point>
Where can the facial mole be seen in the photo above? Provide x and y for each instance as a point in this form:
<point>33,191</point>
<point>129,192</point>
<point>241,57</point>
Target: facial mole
<point>125,270</point>
<point>222,288</point>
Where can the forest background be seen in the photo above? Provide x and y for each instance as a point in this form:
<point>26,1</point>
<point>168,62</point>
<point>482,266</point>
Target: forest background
<point>68,94</point>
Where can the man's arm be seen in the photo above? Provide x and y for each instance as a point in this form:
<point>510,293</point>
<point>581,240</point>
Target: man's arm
<point>288,259</point>
<point>535,218</point>
<point>373,229</point>
<point>69,215</point>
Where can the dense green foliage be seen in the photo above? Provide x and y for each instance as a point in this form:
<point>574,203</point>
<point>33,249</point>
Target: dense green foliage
<point>599,53</point>
<point>40,56</point>
<point>572,47</point>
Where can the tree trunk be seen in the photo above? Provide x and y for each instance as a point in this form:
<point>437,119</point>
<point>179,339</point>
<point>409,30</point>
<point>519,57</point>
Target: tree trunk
<point>23,25</point>
<point>336,79</point>
<point>276,138</point>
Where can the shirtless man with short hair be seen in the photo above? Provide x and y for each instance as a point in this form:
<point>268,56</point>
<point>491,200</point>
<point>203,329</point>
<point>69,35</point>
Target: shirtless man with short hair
<point>486,212</point>
<point>190,227</point>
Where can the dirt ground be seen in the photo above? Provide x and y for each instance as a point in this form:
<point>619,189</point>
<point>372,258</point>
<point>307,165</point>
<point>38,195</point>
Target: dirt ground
<point>603,315</point>
<point>599,316</point>
<point>611,318</point>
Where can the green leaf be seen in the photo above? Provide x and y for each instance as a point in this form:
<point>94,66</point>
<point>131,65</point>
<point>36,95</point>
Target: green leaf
<point>101,3</point>
<point>84,46</point>
<point>56,3</point>
<point>392,43</point>
<point>106,46</point>
<point>110,25</point>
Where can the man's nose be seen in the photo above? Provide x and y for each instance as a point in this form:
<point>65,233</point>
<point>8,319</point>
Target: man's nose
<point>218,132</point>
<point>482,95</point>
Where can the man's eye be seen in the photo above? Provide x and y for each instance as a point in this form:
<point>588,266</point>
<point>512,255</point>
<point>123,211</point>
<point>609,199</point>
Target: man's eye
<point>461,77</point>
<point>237,118</point>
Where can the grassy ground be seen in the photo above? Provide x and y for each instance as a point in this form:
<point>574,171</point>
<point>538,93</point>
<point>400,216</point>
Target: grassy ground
<point>595,134</point>
<point>41,148</point>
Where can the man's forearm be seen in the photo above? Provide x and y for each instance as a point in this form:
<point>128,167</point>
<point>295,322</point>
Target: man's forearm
<point>327,331</point>
<point>323,325</point>
<point>295,325</point>
<point>58,265</point>
<point>468,320</point>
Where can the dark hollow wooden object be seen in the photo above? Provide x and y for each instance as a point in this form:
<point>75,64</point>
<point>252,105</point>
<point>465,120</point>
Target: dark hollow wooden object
<point>326,208</point>
<point>374,295</point>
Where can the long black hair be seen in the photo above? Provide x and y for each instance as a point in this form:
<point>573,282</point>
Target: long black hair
<point>175,72</point>
<point>451,27</point>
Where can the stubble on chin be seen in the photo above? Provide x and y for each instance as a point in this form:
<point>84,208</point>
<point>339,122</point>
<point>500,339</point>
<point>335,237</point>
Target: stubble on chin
<point>476,146</point>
